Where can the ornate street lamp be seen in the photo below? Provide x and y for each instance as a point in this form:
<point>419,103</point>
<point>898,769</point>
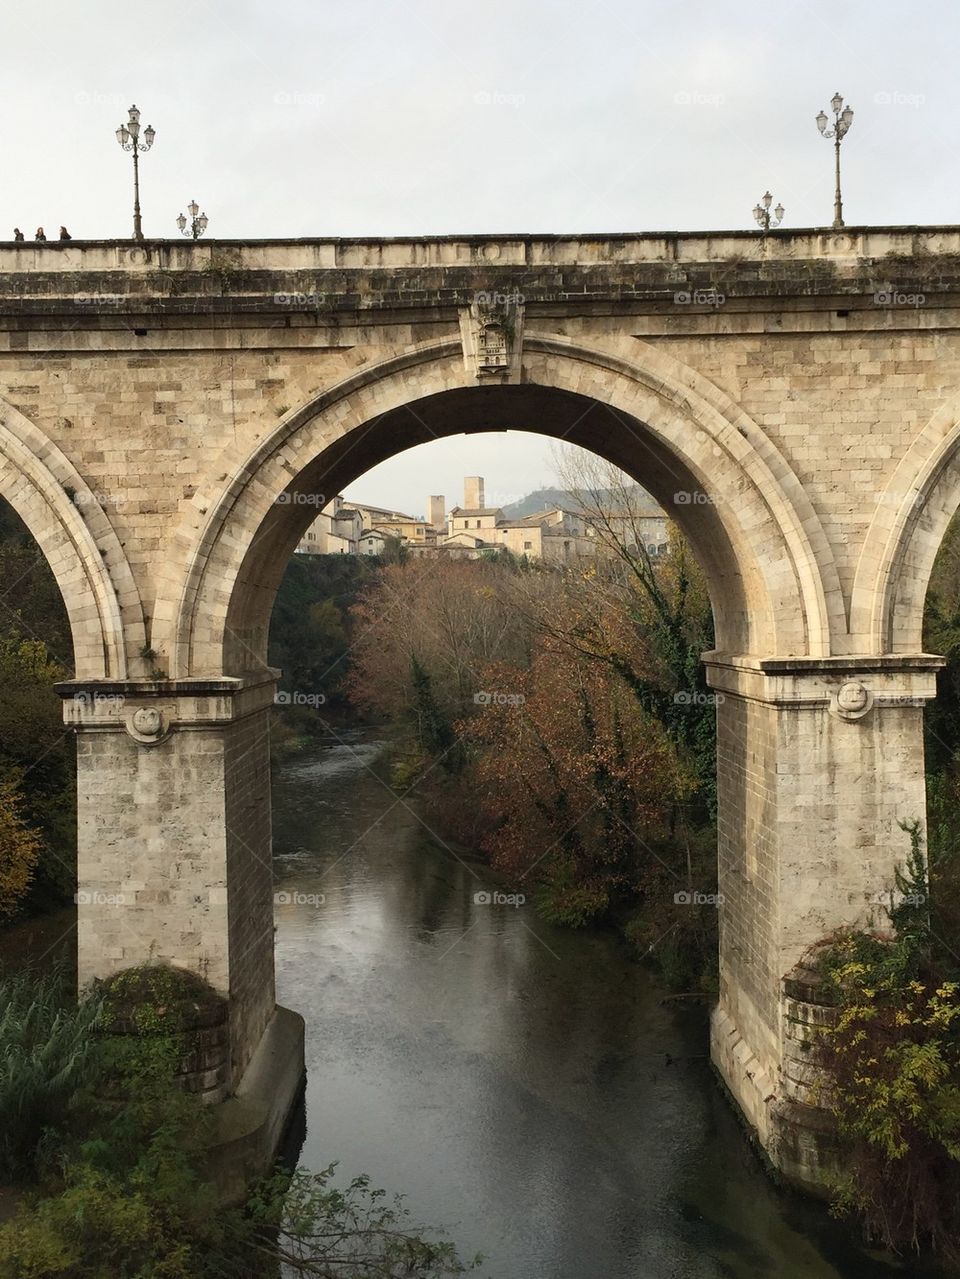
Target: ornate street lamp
<point>842,120</point>
<point>128,135</point>
<point>197,225</point>
<point>763,216</point>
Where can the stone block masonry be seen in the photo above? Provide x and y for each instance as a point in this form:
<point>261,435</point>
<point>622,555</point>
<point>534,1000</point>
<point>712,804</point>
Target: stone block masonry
<point>171,413</point>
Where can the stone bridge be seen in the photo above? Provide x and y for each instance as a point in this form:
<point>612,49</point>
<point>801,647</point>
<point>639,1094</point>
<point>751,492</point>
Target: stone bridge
<point>171,412</point>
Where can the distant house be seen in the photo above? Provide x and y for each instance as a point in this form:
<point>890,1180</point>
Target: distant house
<point>555,533</point>
<point>478,518</point>
<point>407,529</point>
<point>334,532</point>
<point>372,542</point>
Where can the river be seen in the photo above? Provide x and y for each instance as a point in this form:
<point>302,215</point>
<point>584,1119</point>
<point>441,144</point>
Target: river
<point>524,1086</point>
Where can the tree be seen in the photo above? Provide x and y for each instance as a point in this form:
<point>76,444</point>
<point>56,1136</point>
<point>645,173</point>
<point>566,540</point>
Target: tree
<point>577,777</point>
<point>446,619</point>
<point>665,601</point>
<point>310,630</point>
<point>19,850</point>
<point>37,758</point>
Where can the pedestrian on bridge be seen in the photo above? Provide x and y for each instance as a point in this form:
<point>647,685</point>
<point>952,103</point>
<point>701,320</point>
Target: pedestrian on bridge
<point>41,234</point>
<point>17,233</point>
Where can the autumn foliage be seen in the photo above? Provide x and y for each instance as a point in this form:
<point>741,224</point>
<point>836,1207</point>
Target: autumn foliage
<point>542,720</point>
<point>20,847</point>
<point>575,777</point>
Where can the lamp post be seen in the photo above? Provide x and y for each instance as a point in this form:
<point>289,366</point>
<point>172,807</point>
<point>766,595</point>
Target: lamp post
<point>842,120</point>
<point>128,135</point>
<point>197,225</point>
<point>763,216</point>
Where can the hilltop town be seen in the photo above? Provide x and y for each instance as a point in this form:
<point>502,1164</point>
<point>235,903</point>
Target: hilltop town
<point>555,532</point>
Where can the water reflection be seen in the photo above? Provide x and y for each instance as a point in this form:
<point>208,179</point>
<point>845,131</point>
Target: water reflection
<point>522,1085</point>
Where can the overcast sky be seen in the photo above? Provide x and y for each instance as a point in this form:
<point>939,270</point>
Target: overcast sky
<point>366,117</point>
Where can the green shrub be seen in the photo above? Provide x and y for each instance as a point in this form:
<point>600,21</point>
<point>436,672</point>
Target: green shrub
<point>47,1053</point>
<point>893,1064</point>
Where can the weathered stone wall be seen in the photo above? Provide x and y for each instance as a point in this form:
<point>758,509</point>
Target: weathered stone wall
<point>748,849</point>
<point>249,874</point>
<point>158,371</point>
<point>171,416</point>
<point>174,846</point>
<point>818,764</point>
<point>151,854</point>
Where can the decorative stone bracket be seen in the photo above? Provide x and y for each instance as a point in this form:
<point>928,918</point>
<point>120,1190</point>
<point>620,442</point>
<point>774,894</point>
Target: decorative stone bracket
<point>491,330</point>
<point>850,687</point>
<point>149,711</point>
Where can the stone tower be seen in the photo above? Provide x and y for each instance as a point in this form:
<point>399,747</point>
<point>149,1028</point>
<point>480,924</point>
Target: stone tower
<point>437,511</point>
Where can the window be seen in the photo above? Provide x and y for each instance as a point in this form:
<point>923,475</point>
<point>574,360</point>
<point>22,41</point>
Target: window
<point>478,523</point>
<point>528,546</point>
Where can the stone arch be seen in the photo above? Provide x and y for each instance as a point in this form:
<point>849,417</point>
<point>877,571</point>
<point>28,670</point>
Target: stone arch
<point>78,542</point>
<point>773,581</point>
<point>905,533</point>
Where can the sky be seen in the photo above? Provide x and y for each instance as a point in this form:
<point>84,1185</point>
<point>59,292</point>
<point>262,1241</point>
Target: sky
<point>374,117</point>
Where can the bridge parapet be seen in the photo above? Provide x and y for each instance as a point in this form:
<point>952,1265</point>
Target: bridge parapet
<point>698,272</point>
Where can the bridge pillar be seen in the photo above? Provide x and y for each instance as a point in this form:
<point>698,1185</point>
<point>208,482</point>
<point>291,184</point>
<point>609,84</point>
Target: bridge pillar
<point>174,846</point>
<point>818,760</point>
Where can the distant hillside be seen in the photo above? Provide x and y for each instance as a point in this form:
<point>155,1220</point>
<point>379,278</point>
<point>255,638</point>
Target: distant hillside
<point>549,499</point>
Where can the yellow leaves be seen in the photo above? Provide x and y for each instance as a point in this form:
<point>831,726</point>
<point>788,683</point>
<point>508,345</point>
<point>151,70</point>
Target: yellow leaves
<point>19,850</point>
<point>33,658</point>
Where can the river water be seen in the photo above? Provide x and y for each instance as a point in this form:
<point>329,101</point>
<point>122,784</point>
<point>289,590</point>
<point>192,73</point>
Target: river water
<point>524,1086</point>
